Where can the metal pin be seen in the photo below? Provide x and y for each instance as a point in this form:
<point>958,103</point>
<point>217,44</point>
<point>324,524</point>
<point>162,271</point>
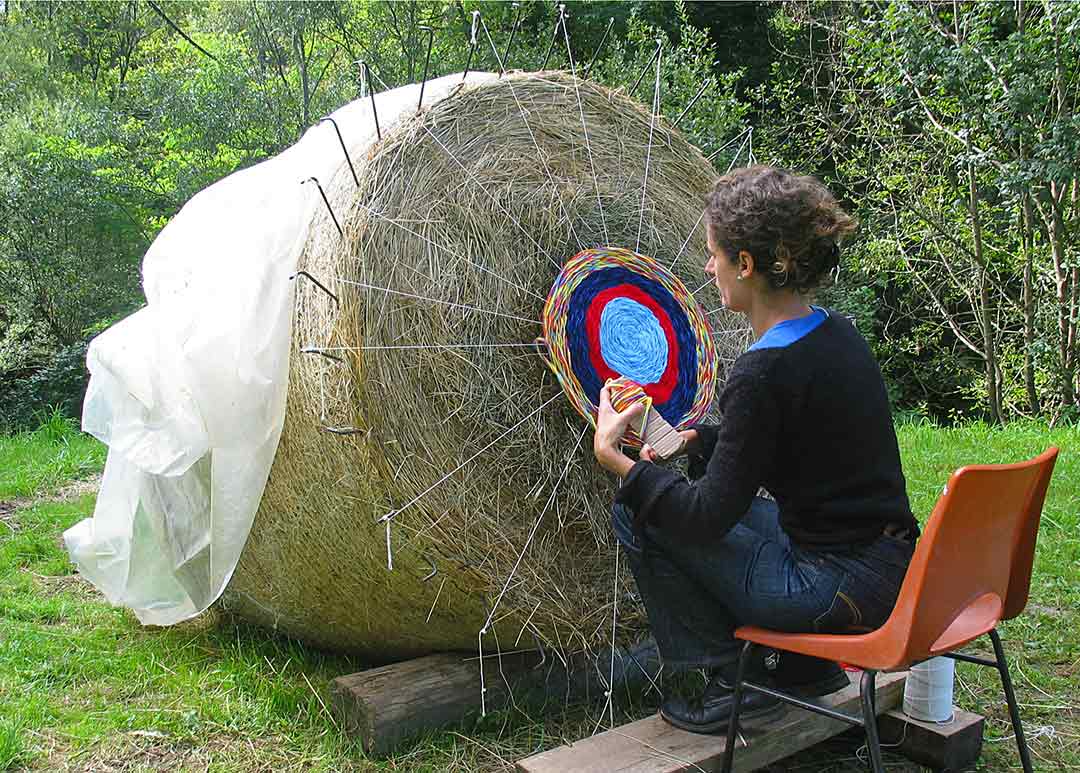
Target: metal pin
<point>648,65</point>
<point>344,430</point>
<point>472,44</point>
<point>317,283</point>
<point>365,75</point>
<point>559,21</point>
<point>326,201</point>
<point>343,148</point>
<point>434,570</point>
<point>513,31</point>
<point>705,85</point>
<point>327,355</point>
<point>596,53</point>
<point>427,62</point>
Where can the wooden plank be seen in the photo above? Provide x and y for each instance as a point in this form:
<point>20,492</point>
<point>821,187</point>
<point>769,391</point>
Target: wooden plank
<point>949,746</point>
<point>651,745</point>
<point>385,706</point>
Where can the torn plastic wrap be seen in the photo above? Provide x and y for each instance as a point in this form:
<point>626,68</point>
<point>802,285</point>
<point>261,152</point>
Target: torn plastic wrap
<point>189,392</point>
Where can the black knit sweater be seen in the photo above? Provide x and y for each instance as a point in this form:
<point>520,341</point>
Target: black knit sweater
<point>810,423</point>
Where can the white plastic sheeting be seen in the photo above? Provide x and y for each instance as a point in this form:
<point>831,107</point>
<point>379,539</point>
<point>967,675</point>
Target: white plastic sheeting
<point>189,392</point>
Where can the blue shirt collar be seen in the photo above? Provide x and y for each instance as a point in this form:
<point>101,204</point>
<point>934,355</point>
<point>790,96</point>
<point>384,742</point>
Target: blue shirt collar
<point>790,330</point>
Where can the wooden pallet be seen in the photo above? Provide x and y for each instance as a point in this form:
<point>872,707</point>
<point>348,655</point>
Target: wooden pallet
<point>651,745</point>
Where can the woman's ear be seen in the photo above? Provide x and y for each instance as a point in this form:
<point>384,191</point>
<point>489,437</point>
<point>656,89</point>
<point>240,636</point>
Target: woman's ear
<point>745,264</point>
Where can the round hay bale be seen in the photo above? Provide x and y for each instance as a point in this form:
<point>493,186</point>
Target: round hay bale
<point>458,435</point>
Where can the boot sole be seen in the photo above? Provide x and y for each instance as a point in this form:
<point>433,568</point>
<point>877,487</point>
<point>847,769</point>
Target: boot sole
<point>721,725</point>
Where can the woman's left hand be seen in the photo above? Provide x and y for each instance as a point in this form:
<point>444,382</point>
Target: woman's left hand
<point>610,428</point>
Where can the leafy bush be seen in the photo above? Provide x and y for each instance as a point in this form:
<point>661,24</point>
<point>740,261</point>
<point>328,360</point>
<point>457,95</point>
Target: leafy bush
<point>27,399</point>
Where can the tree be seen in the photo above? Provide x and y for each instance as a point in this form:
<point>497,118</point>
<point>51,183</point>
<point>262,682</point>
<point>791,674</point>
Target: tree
<point>951,127</point>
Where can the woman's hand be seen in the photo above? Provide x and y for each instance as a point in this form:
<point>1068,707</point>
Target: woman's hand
<point>687,438</point>
<point>610,428</point>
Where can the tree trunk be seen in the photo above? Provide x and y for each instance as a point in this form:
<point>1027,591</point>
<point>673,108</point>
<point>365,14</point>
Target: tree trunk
<point>989,349</point>
<point>305,85</point>
<point>1028,242</point>
<point>1028,238</point>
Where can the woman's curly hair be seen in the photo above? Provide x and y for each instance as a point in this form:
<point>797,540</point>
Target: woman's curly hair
<point>789,223</point>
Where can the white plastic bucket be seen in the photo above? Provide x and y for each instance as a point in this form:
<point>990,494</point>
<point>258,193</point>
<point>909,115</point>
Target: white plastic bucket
<point>928,692</point>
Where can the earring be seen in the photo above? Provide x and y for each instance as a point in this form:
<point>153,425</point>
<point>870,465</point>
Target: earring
<point>739,277</point>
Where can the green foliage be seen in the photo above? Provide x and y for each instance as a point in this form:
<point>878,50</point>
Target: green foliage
<point>940,123</point>
<point>686,64</point>
<point>57,386</point>
<point>110,120</point>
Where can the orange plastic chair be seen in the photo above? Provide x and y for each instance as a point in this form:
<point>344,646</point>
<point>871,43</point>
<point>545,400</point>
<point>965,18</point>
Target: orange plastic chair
<point>971,569</point>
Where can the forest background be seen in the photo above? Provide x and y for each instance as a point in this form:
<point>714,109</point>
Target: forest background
<point>950,129</point>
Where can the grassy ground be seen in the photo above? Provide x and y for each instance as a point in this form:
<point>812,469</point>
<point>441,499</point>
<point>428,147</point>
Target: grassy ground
<point>84,687</point>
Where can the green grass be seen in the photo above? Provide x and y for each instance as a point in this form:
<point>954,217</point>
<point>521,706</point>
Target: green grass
<point>84,686</point>
<point>33,463</point>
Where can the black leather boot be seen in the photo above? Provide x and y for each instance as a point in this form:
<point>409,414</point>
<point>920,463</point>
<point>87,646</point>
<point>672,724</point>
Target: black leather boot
<point>709,712</point>
<point>807,676</point>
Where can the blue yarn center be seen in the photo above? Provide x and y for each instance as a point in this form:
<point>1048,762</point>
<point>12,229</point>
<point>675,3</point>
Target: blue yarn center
<point>682,398</point>
<point>632,341</point>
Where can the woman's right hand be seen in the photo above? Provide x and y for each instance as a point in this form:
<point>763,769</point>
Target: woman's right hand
<point>687,437</point>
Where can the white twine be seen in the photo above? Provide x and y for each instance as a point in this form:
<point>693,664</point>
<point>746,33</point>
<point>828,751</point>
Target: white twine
<point>928,690</point>
<point>648,150</point>
<point>588,146</point>
<point>452,304</point>
<point>491,196</point>
<point>539,153</point>
<point>536,525</point>
<point>412,346</point>
<point>448,251</point>
<point>749,133</point>
<point>391,515</point>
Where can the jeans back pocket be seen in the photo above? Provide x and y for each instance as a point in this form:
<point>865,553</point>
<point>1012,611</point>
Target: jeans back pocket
<point>843,614</point>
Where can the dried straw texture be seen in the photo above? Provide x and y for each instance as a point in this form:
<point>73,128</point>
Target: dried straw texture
<point>476,203</point>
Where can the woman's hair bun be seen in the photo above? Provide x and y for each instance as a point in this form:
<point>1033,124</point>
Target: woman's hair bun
<point>791,224</point>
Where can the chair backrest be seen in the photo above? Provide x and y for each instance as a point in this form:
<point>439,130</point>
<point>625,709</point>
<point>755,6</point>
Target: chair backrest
<point>1024,551</point>
<point>962,571</point>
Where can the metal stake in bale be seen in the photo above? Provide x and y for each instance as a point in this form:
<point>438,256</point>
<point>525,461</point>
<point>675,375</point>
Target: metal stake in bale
<point>326,201</point>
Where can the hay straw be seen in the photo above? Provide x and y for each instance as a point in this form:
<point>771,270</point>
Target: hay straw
<point>456,209</point>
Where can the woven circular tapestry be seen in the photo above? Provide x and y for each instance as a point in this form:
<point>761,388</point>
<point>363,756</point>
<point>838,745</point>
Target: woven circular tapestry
<point>612,313</point>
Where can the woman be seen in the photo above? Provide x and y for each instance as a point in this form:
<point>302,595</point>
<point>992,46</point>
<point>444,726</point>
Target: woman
<point>804,416</point>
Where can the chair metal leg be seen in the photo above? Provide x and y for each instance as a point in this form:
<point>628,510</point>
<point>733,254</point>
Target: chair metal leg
<point>733,721</point>
<point>1010,696</point>
<point>873,745</point>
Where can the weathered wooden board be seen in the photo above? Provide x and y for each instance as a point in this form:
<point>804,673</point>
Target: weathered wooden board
<point>948,746</point>
<point>653,746</point>
<point>384,706</point>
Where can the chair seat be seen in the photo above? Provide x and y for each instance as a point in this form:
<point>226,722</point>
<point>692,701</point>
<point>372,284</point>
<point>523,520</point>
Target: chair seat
<point>883,649</point>
<point>867,650</point>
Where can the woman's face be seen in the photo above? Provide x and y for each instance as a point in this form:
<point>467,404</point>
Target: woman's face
<point>734,292</point>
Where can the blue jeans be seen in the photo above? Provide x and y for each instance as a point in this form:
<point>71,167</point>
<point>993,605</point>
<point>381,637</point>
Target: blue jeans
<point>697,593</point>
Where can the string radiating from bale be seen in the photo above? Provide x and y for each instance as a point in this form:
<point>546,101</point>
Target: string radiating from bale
<point>463,218</point>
